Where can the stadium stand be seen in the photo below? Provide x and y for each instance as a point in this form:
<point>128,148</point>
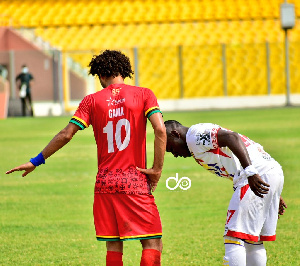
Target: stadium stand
<point>92,12</point>
<point>154,35</point>
<point>158,28</point>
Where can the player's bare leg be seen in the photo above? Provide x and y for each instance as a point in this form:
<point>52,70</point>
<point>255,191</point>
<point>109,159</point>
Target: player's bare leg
<point>152,244</point>
<point>114,253</point>
<point>151,254</point>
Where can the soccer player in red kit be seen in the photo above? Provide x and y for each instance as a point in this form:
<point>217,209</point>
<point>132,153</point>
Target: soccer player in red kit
<point>124,207</point>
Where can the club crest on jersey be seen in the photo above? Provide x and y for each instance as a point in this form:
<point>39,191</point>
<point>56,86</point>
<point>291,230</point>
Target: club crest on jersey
<point>115,112</point>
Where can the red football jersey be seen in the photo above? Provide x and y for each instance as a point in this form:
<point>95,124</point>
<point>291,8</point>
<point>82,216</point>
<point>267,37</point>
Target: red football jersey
<point>118,115</point>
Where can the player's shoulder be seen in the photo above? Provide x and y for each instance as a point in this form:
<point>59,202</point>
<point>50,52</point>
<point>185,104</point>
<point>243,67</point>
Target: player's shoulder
<point>136,88</point>
<point>202,136</point>
<point>137,91</point>
<point>203,127</point>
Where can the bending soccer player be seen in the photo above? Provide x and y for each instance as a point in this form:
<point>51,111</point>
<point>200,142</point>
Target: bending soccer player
<point>252,213</point>
<point>124,207</point>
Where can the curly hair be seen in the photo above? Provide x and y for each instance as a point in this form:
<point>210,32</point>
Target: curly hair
<point>111,63</point>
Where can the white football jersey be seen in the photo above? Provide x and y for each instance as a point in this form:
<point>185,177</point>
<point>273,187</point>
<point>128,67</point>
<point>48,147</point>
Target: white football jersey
<point>202,142</point>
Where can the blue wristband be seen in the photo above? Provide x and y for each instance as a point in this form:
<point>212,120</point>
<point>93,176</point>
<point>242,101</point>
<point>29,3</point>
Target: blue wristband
<point>38,160</point>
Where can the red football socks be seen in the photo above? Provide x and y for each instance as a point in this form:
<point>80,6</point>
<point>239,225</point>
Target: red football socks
<point>114,258</point>
<point>150,257</point>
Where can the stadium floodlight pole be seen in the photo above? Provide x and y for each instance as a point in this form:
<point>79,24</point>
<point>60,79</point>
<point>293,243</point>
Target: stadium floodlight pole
<point>224,67</point>
<point>60,80</point>
<point>287,17</point>
<point>268,68</point>
<point>287,68</point>
<point>12,75</point>
<point>136,66</point>
<point>180,70</point>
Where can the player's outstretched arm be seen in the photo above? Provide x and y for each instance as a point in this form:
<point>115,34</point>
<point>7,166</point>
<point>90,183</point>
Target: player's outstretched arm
<point>233,141</point>
<point>60,140</point>
<point>160,143</point>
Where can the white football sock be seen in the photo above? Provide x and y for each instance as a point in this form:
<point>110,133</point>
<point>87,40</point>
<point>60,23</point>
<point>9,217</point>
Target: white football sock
<point>256,254</point>
<point>235,252</point>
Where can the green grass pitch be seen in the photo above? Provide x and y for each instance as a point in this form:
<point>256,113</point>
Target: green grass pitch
<point>46,218</point>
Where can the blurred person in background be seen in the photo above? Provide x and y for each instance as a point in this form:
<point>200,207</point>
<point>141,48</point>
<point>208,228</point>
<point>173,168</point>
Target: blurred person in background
<point>3,72</point>
<point>23,82</point>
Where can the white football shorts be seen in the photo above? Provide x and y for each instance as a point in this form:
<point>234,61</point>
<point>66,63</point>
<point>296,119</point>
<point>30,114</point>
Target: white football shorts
<point>250,217</point>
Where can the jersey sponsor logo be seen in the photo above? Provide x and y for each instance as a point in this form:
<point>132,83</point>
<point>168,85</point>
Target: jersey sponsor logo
<point>114,102</point>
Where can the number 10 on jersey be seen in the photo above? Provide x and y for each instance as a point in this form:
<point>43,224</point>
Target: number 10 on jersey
<point>116,136</point>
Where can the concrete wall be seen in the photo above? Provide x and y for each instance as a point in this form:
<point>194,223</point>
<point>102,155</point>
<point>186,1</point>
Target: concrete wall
<point>16,51</point>
<point>4,95</point>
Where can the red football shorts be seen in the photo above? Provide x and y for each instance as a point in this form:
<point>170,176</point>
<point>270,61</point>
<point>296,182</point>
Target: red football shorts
<point>120,217</point>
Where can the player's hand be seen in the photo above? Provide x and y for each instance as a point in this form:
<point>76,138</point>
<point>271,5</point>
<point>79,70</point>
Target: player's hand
<point>153,186</point>
<point>153,175</point>
<point>258,186</point>
<point>282,207</point>
<point>27,167</point>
